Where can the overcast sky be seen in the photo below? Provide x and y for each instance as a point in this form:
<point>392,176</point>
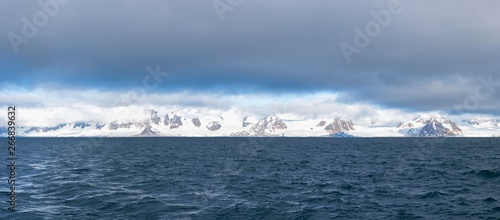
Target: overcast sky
<point>429,56</point>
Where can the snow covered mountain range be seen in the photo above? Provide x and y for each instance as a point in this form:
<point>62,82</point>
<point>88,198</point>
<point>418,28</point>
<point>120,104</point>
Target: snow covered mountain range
<point>425,126</point>
<point>199,124</point>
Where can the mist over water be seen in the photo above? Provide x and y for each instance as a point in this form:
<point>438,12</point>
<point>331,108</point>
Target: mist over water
<point>257,178</point>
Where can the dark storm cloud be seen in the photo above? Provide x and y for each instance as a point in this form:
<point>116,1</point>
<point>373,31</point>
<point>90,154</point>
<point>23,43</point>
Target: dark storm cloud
<point>428,57</point>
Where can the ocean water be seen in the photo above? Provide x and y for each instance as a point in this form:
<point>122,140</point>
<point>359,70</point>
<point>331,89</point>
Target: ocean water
<point>256,178</point>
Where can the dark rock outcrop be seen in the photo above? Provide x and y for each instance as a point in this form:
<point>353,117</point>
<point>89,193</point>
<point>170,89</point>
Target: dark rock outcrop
<point>175,122</point>
<point>166,120</point>
<point>196,122</point>
<point>321,124</point>
<point>214,126</point>
<point>155,119</point>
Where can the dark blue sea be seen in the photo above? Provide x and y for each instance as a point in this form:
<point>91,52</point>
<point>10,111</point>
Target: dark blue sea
<point>255,178</point>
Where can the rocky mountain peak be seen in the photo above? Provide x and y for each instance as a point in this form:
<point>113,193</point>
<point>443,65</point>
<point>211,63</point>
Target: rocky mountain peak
<point>340,124</point>
<point>269,126</point>
<point>149,131</point>
<point>430,126</point>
